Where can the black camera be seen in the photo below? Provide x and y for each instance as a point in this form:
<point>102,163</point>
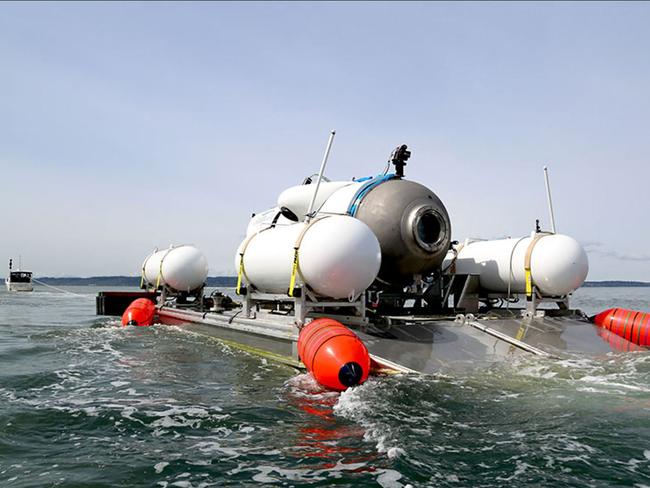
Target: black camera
<point>398,157</point>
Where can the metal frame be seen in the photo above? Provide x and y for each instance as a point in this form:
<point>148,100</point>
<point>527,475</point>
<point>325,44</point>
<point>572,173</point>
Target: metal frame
<point>306,304</point>
<point>467,295</point>
<point>533,302</point>
<point>167,293</point>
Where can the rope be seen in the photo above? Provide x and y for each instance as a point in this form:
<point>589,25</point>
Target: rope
<point>510,276</point>
<point>55,288</point>
<point>456,252</point>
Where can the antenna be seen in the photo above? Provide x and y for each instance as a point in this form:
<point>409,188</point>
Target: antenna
<point>11,262</point>
<point>320,175</point>
<point>20,262</point>
<point>550,201</point>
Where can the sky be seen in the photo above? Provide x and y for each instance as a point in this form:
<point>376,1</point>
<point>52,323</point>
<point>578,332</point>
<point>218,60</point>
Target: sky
<point>129,126</point>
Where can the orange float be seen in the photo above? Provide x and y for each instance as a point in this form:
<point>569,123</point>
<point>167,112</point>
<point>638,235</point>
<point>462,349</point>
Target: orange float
<point>617,343</point>
<point>141,312</point>
<point>333,354</point>
<point>631,325</point>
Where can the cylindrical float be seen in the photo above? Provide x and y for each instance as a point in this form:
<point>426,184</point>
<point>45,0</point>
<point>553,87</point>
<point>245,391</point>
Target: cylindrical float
<point>557,263</point>
<point>141,312</point>
<point>297,198</point>
<point>333,354</point>
<point>631,325</point>
<point>182,268</point>
<point>338,257</point>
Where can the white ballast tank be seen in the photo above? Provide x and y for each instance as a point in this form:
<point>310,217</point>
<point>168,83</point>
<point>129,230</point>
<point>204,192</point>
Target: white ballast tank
<point>181,268</point>
<point>338,256</point>
<point>297,198</point>
<point>558,263</point>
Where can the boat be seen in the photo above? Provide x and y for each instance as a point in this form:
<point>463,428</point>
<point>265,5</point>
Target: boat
<point>18,280</point>
<point>376,256</point>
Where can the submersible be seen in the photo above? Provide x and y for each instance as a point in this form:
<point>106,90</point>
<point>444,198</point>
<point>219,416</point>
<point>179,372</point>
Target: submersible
<point>351,278</point>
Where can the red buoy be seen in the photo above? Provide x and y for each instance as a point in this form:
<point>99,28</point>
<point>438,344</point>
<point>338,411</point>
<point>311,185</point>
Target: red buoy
<point>333,354</point>
<point>631,325</point>
<point>141,312</point>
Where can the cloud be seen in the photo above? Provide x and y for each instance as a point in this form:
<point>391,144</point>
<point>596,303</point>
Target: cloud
<point>598,248</point>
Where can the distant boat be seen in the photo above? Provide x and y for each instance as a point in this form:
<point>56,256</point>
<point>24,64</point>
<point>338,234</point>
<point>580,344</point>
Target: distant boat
<point>18,280</point>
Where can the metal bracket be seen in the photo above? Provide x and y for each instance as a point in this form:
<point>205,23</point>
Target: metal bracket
<point>533,302</point>
<point>306,304</point>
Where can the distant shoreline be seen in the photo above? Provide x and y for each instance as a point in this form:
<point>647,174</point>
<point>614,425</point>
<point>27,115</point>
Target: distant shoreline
<point>616,284</point>
<point>123,281</point>
<point>232,281</point>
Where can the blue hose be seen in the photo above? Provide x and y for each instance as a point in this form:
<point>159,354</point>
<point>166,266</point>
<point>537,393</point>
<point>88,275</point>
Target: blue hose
<point>370,183</point>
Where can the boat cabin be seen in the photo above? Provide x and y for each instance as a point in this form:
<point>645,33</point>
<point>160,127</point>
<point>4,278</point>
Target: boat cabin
<point>20,277</point>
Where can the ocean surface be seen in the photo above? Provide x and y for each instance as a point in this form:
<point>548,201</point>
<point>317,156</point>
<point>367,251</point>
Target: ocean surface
<point>87,403</point>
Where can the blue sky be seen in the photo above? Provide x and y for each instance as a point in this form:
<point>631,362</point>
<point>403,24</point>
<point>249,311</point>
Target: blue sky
<point>133,125</point>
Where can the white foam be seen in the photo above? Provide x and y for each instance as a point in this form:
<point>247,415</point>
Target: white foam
<point>191,411</point>
<point>352,405</point>
<point>264,477</point>
<point>394,452</point>
<point>305,385</point>
<point>211,447</point>
<point>388,478</point>
<point>607,381</point>
<point>160,466</point>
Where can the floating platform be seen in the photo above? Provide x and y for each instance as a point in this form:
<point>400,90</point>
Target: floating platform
<point>425,344</point>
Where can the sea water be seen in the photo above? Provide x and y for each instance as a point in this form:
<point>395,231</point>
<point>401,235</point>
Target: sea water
<point>87,403</point>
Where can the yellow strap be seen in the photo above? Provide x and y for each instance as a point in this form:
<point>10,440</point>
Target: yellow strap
<point>240,273</point>
<point>520,336</point>
<point>160,267</point>
<point>294,272</point>
<point>529,283</point>
<point>521,332</point>
<point>159,274</point>
<point>527,267</point>
<point>296,247</point>
<point>144,265</point>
